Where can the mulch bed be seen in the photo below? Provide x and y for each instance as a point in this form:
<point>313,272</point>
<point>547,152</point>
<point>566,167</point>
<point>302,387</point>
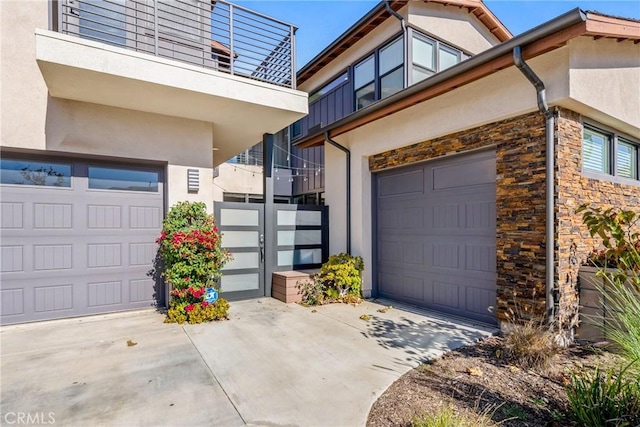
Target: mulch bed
<point>473,379</point>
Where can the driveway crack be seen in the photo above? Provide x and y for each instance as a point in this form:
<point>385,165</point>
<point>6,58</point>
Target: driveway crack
<point>214,376</point>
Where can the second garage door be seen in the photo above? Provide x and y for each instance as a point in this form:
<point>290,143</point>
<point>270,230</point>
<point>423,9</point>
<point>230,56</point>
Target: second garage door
<point>436,235</point>
<point>78,237</point>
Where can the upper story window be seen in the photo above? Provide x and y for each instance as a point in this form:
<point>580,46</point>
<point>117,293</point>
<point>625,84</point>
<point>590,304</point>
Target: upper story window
<point>606,152</point>
<point>379,75</point>
<point>335,83</point>
<point>428,56</point>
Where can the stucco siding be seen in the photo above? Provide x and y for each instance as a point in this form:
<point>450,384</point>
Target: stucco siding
<point>453,25</point>
<point>605,75</point>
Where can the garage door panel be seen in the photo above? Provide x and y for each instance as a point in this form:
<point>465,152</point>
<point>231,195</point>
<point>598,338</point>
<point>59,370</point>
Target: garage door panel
<point>73,251</point>
<point>451,249</point>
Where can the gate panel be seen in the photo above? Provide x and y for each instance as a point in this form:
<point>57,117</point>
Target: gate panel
<point>242,228</point>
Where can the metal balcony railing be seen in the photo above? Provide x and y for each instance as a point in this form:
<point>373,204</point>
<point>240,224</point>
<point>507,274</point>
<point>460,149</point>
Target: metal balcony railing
<point>213,34</point>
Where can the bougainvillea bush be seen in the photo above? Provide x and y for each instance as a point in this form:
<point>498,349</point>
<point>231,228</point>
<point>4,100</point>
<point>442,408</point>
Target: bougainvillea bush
<point>193,259</point>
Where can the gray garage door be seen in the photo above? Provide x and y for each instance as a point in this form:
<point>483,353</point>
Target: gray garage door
<point>77,237</point>
<point>436,235</point>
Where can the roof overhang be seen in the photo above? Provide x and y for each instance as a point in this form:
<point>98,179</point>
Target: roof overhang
<point>240,109</point>
<point>535,42</point>
<point>379,14</point>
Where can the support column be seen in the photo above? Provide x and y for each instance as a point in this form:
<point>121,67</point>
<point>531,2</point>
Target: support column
<point>269,220</point>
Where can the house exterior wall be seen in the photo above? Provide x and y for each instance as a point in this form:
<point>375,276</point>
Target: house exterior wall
<point>32,119</point>
<point>520,201</point>
<point>497,97</point>
<point>574,189</point>
<point>453,25</point>
<point>358,50</point>
<point>604,74</point>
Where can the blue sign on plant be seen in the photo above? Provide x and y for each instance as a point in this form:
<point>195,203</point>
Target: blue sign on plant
<point>211,295</point>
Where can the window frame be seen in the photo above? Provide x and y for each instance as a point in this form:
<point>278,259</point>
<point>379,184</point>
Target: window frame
<point>611,148</point>
<point>437,46</point>
<point>377,77</point>
<point>42,159</point>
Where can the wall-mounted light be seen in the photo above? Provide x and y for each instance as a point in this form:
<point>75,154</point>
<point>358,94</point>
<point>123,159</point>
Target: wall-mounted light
<point>193,180</point>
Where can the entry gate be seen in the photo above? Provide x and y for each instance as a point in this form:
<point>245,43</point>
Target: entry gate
<point>296,237</point>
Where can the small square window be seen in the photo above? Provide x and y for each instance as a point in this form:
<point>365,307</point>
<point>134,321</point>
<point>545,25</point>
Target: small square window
<point>606,152</point>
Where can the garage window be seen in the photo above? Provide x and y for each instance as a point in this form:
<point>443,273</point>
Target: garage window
<point>103,178</point>
<point>27,172</point>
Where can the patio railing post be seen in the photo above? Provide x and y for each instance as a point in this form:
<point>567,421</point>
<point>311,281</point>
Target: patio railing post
<point>155,27</point>
<point>231,54</point>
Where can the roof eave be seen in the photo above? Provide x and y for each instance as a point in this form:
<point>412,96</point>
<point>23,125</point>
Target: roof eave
<point>534,42</point>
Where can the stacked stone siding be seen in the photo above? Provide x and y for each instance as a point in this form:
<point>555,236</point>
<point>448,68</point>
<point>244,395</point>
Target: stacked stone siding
<point>520,204</point>
<point>574,189</point>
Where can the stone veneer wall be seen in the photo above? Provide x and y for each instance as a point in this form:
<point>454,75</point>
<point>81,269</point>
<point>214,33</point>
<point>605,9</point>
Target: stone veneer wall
<point>574,189</point>
<point>520,204</point>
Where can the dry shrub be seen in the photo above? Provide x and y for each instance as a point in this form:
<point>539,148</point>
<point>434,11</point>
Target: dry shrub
<point>530,345</point>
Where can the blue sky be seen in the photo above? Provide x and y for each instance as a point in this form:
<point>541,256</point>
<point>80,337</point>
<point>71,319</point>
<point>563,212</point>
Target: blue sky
<point>322,21</point>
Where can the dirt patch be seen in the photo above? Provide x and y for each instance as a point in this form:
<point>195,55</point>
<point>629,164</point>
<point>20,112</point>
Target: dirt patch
<point>474,379</point>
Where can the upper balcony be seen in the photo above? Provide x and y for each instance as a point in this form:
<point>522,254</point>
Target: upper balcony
<point>199,59</point>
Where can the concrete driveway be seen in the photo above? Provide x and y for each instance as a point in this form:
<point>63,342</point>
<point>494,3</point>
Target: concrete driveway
<point>272,364</point>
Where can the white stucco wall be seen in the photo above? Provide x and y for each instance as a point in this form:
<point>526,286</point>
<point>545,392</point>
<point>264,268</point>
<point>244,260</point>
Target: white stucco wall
<point>605,81</point>
<point>31,119</point>
<point>452,24</point>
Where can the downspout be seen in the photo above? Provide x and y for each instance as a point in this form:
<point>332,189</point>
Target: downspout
<point>405,39</point>
<point>328,139</point>
<point>550,171</point>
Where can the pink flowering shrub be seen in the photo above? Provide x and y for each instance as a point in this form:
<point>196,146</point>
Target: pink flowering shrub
<point>193,259</point>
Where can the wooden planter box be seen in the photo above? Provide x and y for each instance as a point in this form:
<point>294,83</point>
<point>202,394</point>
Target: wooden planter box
<point>284,285</point>
<point>593,315</point>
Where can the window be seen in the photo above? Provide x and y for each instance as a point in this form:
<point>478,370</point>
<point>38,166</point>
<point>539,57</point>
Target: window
<point>606,152</point>
<point>379,75</point>
<point>103,178</point>
<point>391,68</point>
<point>364,82</point>
<point>627,159</point>
<point>595,150</point>
<point>337,82</point>
<point>26,172</point>
<point>428,56</point>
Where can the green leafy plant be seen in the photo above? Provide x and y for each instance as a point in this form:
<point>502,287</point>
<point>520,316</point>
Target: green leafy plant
<point>620,288</point>
<point>339,280</point>
<point>605,398</point>
<point>622,305</point>
<point>311,291</point>
<point>193,258</point>
<point>618,229</point>
<point>341,275</point>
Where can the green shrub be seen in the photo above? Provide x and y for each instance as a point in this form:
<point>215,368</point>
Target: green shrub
<point>339,280</point>
<point>311,291</point>
<point>622,304</point>
<point>618,230</point>
<point>341,275</point>
<point>605,398</point>
<point>193,258</point>
<point>621,288</point>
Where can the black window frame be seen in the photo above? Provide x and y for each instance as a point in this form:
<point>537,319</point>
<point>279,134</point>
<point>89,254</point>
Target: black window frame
<point>377,77</point>
<point>611,148</point>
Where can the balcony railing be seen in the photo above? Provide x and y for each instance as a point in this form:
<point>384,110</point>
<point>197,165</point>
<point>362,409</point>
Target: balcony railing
<point>209,33</point>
